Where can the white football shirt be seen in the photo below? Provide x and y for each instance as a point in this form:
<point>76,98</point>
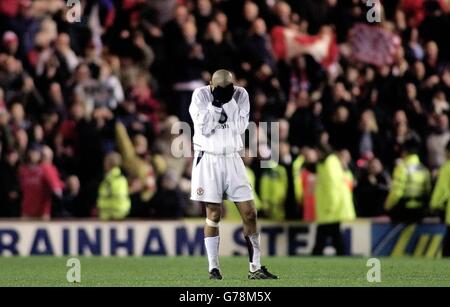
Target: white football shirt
<point>218,130</point>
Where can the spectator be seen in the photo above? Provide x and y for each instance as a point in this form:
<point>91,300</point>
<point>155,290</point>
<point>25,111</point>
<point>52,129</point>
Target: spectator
<point>345,158</point>
<point>333,202</point>
<point>411,185</point>
<point>10,43</point>
<point>113,200</point>
<point>369,141</point>
<point>414,50</point>
<point>306,121</point>
<point>51,171</point>
<point>173,28</point>
<point>67,140</point>
<point>189,63</point>
<point>38,182</point>
<point>168,201</point>
<point>402,132</point>
<point>273,191</point>
<point>18,120</point>
<point>203,15</point>
<point>372,189</point>
<point>70,198</point>
<point>436,142</point>
<point>440,199</point>
<point>256,50</point>
<point>342,130</point>
<point>65,53</point>
<point>25,23</point>
<point>414,109</point>
<point>250,13</point>
<point>6,135</point>
<point>21,141</point>
<point>282,12</point>
<point>304,171</point>
<point>137,163</point>
<point>111,85</point>
<point>219,53</point>
<point>9,185</point>
<point>147,106</point>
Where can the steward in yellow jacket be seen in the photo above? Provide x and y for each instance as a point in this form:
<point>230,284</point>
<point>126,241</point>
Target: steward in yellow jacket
<point>113,201</point>
<point>273,188</point>
<point>440,199</point>
<point>411,186</point>
<point>334,203</point>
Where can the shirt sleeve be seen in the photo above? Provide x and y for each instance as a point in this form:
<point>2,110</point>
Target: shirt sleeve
<point>243,103</point>
<point>52,178</point>
<point>204,116</point>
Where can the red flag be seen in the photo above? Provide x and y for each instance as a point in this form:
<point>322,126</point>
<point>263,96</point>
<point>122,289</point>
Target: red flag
<point>288,43</point>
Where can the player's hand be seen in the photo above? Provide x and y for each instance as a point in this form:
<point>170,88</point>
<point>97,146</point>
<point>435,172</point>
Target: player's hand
<point>222,95</point>
<point>217,103</point>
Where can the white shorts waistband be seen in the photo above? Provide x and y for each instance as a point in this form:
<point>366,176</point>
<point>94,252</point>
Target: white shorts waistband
<point>231,154</point>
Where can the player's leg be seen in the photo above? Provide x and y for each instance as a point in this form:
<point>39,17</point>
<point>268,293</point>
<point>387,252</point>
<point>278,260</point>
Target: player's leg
<point>207,188</point>
<point>240,192</point>
<point>213,215</point>
<point>248,213</point>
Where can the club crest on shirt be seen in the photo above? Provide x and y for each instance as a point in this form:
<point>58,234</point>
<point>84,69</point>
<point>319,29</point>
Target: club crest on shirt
<point>200,191</point>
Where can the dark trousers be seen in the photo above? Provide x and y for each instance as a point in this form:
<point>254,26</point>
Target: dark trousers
<point>401,214</point>
<point>446,243</point>
<point>326,231</point>
<point>408,216</point>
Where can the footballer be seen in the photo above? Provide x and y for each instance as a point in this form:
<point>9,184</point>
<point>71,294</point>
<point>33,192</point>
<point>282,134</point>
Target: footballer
<point>220,113</point>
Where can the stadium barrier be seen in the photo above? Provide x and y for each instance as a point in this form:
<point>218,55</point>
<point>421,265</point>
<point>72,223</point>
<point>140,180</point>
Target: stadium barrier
<point>172,238</point>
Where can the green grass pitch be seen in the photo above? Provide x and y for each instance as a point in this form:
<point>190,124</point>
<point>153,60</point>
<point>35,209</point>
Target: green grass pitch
<point>191,271</point>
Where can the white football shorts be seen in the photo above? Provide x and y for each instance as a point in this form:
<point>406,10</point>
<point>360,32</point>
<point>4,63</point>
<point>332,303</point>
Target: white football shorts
<point>219,177</point>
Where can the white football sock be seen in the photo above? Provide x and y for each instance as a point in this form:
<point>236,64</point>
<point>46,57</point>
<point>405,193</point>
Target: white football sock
<point>254,249</point>
<point>212,250</point>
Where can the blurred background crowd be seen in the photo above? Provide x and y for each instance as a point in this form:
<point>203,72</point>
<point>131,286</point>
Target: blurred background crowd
<point>87,108</point>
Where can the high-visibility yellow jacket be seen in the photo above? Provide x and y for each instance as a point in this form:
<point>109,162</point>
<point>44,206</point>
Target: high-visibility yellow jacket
<point>334,201</point>
<point>348,209</point>
<point>113,200</point>
<point>411,182</point>
<point>298,186</point>
<point>232,212</point>
<point>273,191</point>
<point>441,194</point>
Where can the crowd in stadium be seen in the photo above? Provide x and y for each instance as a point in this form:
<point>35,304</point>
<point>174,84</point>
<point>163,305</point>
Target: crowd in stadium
<point>81,99</point>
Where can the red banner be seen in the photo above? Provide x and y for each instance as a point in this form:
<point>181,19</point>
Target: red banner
<point>288,43</point>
